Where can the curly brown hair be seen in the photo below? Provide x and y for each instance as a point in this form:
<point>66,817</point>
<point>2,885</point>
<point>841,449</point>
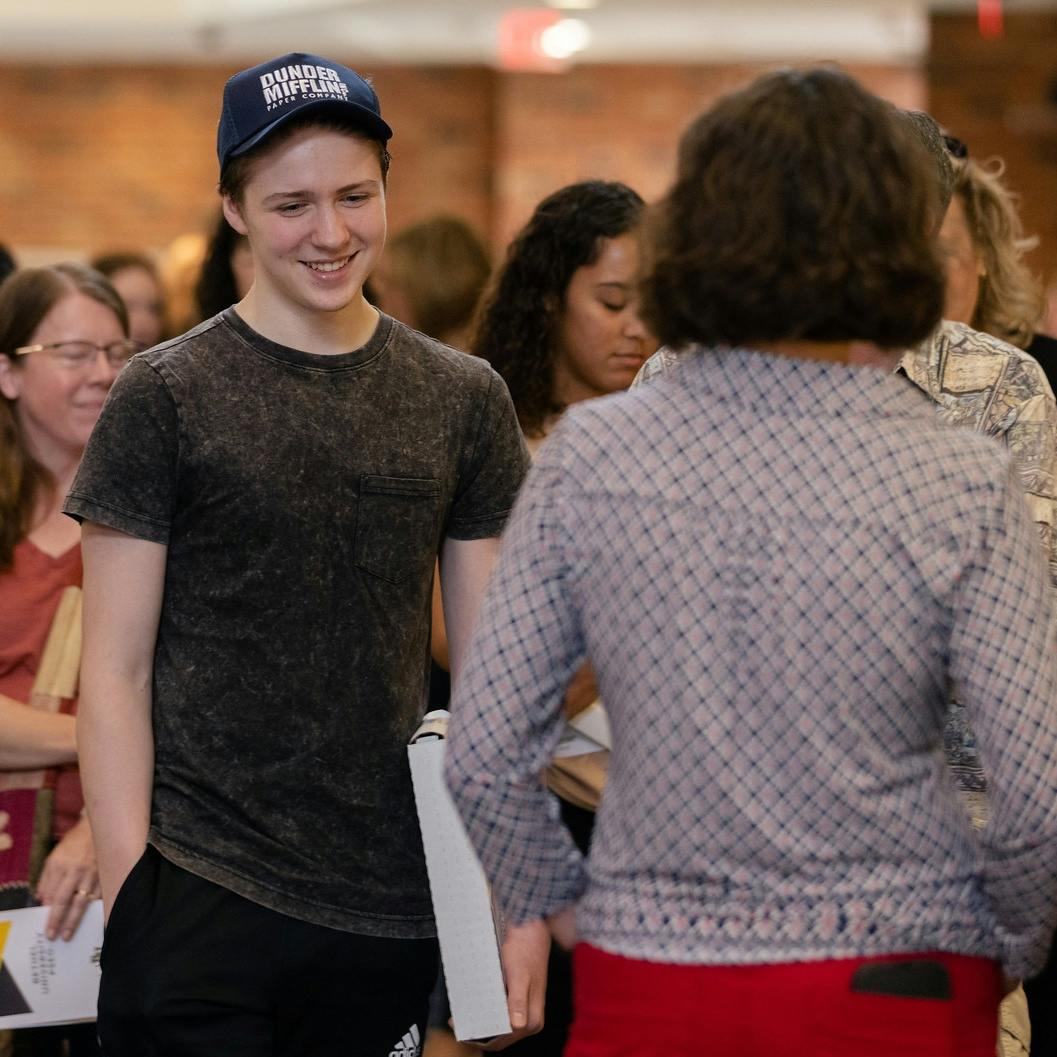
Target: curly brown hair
<point>1010,300</point>
<point>517,323</point>
<point>802,209</point>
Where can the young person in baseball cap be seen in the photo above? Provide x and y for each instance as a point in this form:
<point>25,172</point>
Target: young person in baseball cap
<point>264,501</point>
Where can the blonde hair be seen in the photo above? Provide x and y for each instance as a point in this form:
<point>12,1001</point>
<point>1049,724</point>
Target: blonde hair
<point>1010,300</point>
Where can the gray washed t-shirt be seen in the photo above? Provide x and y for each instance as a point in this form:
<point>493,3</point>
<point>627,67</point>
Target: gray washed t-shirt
<point>303,500</point>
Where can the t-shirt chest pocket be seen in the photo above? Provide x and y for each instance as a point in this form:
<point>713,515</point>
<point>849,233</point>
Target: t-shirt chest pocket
<point>396,525</point>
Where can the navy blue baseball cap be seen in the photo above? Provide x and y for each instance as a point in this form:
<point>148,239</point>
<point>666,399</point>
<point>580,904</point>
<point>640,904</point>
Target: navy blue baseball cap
<point>264,98</point>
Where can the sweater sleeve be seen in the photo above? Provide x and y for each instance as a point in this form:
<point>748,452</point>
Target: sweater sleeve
<point>507,706</point>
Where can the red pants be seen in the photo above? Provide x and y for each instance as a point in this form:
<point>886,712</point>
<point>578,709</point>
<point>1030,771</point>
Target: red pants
<point>629,1008</point>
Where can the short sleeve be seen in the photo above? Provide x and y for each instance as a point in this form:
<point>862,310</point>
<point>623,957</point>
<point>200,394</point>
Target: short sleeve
<point>127,477</point>
<point>491,470</point>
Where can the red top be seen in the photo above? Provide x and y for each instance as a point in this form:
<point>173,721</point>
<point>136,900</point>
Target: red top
<point>29,596</point>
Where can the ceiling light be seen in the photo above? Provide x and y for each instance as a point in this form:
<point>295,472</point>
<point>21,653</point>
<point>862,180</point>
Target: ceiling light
<point>574,5</point>
<point>565,38</point>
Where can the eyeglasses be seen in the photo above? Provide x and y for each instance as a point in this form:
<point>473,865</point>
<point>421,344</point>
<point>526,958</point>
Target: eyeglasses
<point>80,354</point>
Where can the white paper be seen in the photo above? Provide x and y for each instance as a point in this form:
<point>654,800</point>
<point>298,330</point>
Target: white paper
<point>588,731</point>
<point>462,903</point>
<point>593,723</point>
<point>44,981</point>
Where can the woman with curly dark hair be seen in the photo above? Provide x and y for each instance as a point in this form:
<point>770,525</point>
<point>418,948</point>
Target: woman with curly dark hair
<point>560,322</point>
<point>560,319</point>
<point>778,561</point>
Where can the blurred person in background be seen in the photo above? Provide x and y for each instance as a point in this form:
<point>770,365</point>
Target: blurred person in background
<point>989,283</point>
<point>560,323</point>
<point>777,561</point>
<point>179,267</point>
<point>135,277</point>
<point>63,339</point>
<point>7,262</point>
<point>984,383</point>
<point>990,286</point>
<point>431,276</point>
<point>227,271</point>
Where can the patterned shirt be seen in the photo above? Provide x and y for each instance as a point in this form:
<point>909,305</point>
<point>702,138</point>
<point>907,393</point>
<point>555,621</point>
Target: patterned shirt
<point>776,567</point>
<point>987,385</point>
<point>981,383</point>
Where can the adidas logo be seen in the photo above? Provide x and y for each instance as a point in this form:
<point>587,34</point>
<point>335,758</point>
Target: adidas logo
<point>410,1045</point>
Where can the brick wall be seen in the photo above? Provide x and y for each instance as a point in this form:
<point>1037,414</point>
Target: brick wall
<point>115,156</point>
<point>1000,97</point>
<point>125,156</point>
<point>619,122</point>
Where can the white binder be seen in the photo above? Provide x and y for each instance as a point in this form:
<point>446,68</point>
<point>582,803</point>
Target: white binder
<point>466,923</point>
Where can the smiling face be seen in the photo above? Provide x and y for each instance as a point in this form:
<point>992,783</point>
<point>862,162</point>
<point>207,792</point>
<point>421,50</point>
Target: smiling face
<point>56,405</point>
<point>313,209</point>
<point>602,343</point>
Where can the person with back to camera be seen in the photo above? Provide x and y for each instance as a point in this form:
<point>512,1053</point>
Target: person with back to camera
<point>979,381</point>
<point>264,499</point>
<point>560,322</point>
<point>777,559</point>
<point>63,338</point>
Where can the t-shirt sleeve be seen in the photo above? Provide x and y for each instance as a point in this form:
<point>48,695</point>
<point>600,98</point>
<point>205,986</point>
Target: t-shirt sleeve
<point>492,469</point>
<point>127,477</point>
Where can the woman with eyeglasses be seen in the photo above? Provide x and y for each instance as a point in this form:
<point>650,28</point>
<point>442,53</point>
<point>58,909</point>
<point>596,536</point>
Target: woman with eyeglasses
<point>63,338</point>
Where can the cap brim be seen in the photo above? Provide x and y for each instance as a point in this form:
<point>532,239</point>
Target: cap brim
<point>358,115</point>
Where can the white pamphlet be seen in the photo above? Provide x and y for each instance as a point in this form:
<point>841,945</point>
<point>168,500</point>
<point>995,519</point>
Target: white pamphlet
<point>462,902</point>
<point>588,731</point>
<point>46,981</point>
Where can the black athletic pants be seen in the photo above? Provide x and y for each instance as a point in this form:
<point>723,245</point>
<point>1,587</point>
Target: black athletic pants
<point>193,970</point>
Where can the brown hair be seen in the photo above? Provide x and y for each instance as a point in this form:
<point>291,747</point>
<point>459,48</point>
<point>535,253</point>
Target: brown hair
<point>929,134</point>
<point>442,267</point>
<point>26,297</point>
<point>114,261</point>
<point>1010,300</point>
<point>802,210</point>
<point>235,175</point>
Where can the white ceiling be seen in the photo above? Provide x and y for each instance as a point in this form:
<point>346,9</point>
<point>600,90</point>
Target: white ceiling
<point>451,31</point>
